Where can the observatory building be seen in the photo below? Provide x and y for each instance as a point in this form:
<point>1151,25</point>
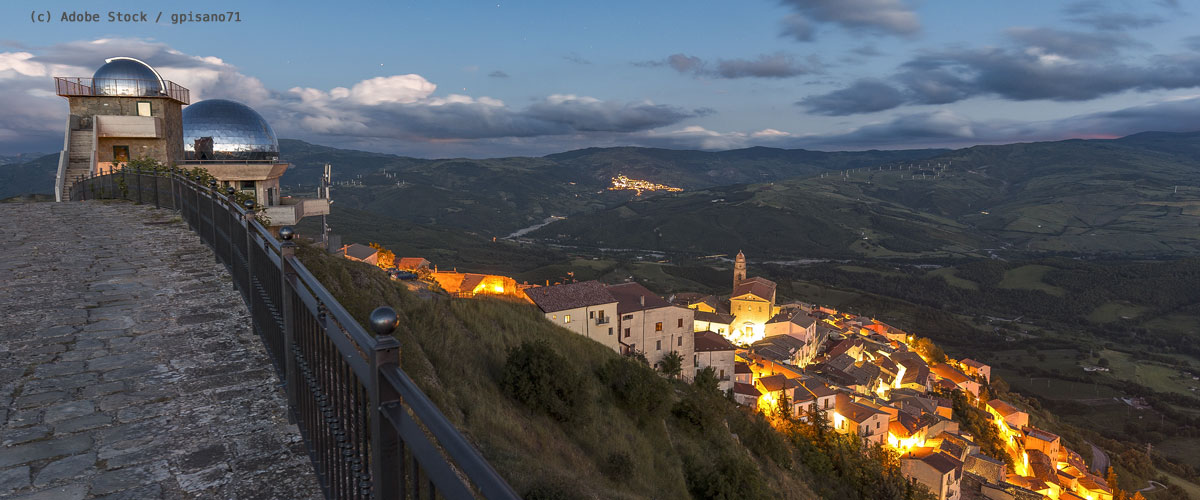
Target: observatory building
<point>127,111</point>
<point>124,111</point>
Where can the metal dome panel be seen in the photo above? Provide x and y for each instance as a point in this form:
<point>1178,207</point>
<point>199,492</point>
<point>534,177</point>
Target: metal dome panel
<point>237,132</point>
<point>123,76</point>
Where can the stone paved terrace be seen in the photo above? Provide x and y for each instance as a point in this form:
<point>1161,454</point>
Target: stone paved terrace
<point>127,365</point>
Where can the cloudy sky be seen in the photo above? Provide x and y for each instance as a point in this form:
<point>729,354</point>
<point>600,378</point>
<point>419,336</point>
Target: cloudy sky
<point>484,79</point>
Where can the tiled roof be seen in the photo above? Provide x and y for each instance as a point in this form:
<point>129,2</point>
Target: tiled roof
<point>1041,434</point>
<point>772,383</point>
<point>855,411</point>
<point>360,252</point>
<point>718,318</point>
<point>757,286</point>
<point>707,341</point>
<point>411,263</point>
<point>818,389</point>
<point>942,462</point>
<point>1003,408</point>
<point>569,296</point>
<point>973,364</point>
<point>796,316</point>
<point>635,297</point>
<point>939,461</point>
<point>949,372</point>
<point>710,300</point>
<point>741,367</point>
<point>746,389</point>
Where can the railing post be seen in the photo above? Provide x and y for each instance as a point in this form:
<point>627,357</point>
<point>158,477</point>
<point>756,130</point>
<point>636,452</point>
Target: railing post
<point>137,174</point>
<point>82,193</point>
<point>212,214</point>
<point>249,252</point>
<point>233,251</point>
<point>385,443</point>
<point>155,177</point>
<point>287,251</point>
<point>174,174</point>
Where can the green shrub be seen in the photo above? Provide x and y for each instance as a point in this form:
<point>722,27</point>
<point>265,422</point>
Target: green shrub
<point>706,381</point>
<point>617,466</point>
<point>725,477</point>
<point>759,437</point>
<point>553,489</point>
<point>698,411</point>
<point>543,380</point>
<point>637,387</point>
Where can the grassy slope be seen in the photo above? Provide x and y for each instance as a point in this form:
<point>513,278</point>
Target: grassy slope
<point>455,349</point>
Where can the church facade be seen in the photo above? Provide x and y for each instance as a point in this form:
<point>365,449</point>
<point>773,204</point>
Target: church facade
<point>752,304</point>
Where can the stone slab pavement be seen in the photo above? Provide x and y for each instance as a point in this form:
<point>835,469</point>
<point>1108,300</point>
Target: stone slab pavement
<point>128,368</point>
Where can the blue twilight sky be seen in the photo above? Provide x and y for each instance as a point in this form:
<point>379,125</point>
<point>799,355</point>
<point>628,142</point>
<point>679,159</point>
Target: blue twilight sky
<point>441,79</point>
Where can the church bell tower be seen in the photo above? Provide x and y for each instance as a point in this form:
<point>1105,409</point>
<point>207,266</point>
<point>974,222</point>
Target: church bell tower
<point>739,269</point>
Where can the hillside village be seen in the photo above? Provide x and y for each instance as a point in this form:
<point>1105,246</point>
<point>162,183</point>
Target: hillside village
<point>860,376</point>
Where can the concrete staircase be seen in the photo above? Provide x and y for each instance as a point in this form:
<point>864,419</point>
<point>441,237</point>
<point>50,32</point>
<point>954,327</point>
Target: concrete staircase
<point>79,159</point>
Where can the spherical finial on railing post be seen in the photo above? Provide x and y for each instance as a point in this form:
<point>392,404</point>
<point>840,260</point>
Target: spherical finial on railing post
<point>230,190</point>
<point>212,184</point>
<point>286,233</point>
<point>248,205</point>
<point>384,320</point>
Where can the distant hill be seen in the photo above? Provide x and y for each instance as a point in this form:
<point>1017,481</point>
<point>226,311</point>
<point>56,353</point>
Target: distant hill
<point>31,177</point>
<point>500,195</point>
<point>1076,196</point>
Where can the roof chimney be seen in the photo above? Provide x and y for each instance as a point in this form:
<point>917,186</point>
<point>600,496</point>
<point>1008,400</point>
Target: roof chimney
<point>642,299</point>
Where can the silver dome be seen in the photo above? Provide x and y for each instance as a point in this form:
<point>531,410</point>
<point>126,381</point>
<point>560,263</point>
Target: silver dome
<point>126,76</point>
<point>236,131</point>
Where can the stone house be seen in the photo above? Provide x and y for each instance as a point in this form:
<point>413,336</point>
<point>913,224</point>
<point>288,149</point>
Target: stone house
<point>713,350</point>
<point>940,472</point>
<point>585,308</point>
<point>653,326</point>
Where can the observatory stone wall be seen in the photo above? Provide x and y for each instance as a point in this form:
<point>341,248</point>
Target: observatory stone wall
<point>167,149</point>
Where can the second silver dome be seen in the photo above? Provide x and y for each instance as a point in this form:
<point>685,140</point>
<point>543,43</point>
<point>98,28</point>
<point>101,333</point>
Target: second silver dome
<point>237,132</point>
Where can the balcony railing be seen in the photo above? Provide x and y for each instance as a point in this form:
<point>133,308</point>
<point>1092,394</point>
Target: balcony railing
<point>370,431</point>
<point>604,320</point>
<point>68,87</point>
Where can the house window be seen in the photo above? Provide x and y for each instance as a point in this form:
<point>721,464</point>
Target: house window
<point>626,333</point>
<point>591,314</point>
<point>554,317</point>
<point>143,108</point>
<point>680,322</point>
<point>658,326</point>
<point>680,343</point>
<point>610,330</point>
<point>658,345</point>
<point>722,373</point>
<point>567,318</point>
<point>120,154</point>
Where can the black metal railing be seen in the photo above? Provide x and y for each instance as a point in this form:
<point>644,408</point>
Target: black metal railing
<point>370,431</point>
